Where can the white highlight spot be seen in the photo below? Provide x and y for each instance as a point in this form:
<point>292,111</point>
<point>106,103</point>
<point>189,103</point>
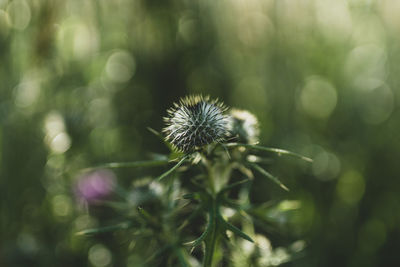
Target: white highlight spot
<point>19,13</point>
<point>318,98</point>
<point>120,66</point>
<point>99,255</point>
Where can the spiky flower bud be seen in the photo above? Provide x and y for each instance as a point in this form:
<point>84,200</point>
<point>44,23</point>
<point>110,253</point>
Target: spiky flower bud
<point>196,121</point>
<point>245,128</point>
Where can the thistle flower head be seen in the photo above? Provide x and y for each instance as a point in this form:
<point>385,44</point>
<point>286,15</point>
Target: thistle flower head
<point>245,127</point>
<point>194,122</point>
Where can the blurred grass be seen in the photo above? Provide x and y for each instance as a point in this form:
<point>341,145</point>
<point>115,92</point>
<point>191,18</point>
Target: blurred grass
<point>81,81</point>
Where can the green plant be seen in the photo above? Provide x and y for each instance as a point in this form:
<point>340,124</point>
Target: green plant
<point>205,190</point>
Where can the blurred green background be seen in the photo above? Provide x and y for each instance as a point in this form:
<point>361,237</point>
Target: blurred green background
<point>81,80</point>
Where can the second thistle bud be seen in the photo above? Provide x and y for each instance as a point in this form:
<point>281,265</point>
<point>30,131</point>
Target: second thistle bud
<point>245,127</point>
<point>196,121</point>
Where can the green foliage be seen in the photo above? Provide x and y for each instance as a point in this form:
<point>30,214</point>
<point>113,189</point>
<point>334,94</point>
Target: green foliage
<point>215,166</point>
<point>81,80</point>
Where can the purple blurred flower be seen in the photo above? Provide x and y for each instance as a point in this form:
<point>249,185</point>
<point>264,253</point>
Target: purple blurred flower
<point>95,186</point>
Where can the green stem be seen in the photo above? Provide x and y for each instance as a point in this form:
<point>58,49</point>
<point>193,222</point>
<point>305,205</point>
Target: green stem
<point>210,177</point>
<point>212,184</point>
<point>212,235</point>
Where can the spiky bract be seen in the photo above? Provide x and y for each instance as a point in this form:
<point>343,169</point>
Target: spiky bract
<point>244,126</point>
<point>194,122</point>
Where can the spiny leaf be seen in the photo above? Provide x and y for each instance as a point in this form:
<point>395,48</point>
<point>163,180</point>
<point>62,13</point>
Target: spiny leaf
<point>197,241</point>
<point>198,184</point>
<point>155,132</point>
<point>262,208</point>
<point>235,230</point>
<point>159,135</point>
<point>147,217</point>
<point>268,175</point>
<point>188,219</point>
<point>234,204</point>
<point>178,209</point>
<point>165,174</point>
<point>247,172</point>
<point>233,185</point>
<point>92,231</point>
<point>271,149</point>
<point>191,196</point>
<point>157,253</point>
<point>202,237</point>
